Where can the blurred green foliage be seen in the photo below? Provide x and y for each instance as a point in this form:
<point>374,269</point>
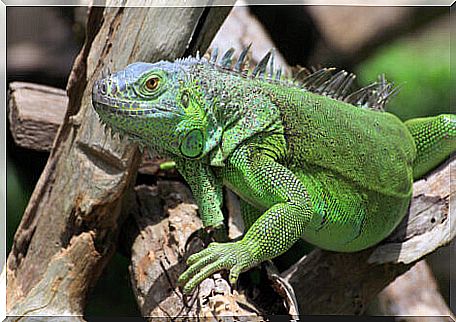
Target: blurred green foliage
<point>17,196</point>
<point>421,66</point>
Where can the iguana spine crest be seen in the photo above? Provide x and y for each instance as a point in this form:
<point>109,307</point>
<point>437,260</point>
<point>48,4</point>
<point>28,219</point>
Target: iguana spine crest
<point>323,81</point>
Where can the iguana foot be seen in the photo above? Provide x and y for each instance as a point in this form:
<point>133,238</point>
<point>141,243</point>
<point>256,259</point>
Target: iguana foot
<point>234,257</point>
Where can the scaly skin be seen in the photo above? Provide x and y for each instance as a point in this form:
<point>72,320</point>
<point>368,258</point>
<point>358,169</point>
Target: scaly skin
<point>305,165</point>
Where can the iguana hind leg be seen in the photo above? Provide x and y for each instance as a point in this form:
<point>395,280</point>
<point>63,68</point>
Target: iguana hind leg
<point>435,140</point>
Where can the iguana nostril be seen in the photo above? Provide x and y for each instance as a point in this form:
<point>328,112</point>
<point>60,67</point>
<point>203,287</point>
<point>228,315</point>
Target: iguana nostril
<point>103,88</point>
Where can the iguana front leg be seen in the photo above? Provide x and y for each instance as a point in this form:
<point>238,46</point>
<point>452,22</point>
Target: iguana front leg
<point>259,178</point>
<point>207,191</point>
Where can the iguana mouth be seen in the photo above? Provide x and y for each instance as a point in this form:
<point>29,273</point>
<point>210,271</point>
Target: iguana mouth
<point>118,106</point>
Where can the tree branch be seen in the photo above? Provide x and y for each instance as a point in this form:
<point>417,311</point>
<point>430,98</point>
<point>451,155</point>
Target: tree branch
<point>415,294</point>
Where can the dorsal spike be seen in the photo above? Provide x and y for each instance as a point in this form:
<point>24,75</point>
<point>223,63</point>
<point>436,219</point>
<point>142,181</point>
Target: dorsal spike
<point>331,85</point>
<point>395,90</point>
<point>322,84</point>
<point>315,79</point>
<point>323,81</point>
<point>260,68</point>
<point>344,87</point>
<point>198,55</point>
<point>311,78</point>
<point>278,73</point>
<point>360,95</point>
<point>337,88</point>
<point>214,56</point>
<point>241,59</point>
<point>225,62</point>
<point>271,64</point>
<point>302,72</point>
<point>382,93</point>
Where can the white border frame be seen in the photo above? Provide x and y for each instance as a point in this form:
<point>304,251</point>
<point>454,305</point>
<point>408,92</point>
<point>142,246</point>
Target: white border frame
<point>3,162</point>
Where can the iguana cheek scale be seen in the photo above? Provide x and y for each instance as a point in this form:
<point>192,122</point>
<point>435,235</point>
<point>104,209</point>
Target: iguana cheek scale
<point>308,158</point>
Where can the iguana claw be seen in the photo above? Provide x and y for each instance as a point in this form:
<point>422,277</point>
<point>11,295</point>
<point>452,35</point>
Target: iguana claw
<point>234,257</point>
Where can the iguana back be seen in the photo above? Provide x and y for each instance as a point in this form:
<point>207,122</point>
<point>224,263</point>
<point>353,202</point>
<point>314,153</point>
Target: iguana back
<point>372,148</point>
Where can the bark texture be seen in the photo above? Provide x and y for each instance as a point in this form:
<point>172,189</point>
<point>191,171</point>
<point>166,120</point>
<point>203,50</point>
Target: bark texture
<point>35,114</point>
<point>414,297</point>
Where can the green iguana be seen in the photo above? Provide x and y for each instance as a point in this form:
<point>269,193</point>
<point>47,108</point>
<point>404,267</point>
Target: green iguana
<point>307,158</point>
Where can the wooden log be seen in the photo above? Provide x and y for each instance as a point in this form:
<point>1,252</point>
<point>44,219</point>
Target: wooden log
<point>415,297</point>
<point>35,113</point>
<point>70,227</point>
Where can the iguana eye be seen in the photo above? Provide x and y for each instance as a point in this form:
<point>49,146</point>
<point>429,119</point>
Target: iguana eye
<point>152,83</point>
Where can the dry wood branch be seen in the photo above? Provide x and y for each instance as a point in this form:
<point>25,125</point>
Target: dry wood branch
<point>414,297</point>
<point>70,227</point>
<point>35,114</point>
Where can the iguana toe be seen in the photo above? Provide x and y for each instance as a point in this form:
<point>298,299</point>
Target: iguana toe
<point>234,257</point>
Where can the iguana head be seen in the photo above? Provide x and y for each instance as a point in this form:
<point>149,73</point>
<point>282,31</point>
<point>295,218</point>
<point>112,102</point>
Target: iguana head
<point>159,105</point>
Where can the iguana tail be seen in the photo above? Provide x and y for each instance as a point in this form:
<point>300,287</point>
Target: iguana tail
<point>435,140</point>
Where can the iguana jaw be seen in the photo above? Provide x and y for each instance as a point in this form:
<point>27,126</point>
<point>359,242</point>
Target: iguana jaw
<point>105,104</point>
